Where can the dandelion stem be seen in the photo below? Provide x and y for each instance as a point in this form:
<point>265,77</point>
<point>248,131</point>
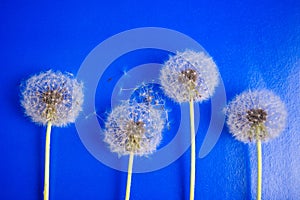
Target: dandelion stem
<point>259,169</point>
<point>193,149</point>
<point>129,174</point>
<point>47,161</point>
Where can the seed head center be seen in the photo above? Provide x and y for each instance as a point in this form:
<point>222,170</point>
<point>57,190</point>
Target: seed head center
<point>134,131</point>
<point>52,97</point>
<point>188,75</point>
<point>256,116</point>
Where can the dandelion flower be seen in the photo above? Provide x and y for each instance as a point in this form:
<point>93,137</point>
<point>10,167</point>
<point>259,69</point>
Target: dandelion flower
<point>190,76</point>
<point>51,98</point>
<point>253,110</point>
<point>256,116</point>
<point>133,129</point>
<point>151,95</point>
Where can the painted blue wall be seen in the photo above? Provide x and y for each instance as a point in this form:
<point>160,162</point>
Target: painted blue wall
<point>254,43</point>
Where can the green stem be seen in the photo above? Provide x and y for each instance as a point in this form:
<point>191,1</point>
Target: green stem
<point>259,165</point>
<point>193,149</point>
<point>47,161</point>
<point>129,175</point>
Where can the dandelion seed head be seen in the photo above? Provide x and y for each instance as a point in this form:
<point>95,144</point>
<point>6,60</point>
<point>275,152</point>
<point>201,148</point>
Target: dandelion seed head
<point>148,93</point>
<point>152,95</point>
<point>258,114</point>
<point>189,74</point>
<point>134,128</point>
<point>52,96</point>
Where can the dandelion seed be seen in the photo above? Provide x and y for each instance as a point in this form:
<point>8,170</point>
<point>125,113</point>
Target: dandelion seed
<point>52,99</point>
<point>252,110</point>
<point>52,96</point>
<point>134,128</point>
<point>190,77</point>
<point>150,94</point>
<point>256,116</point>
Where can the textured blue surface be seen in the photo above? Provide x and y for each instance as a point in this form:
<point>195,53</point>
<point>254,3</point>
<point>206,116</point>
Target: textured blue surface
<point>255,44</point>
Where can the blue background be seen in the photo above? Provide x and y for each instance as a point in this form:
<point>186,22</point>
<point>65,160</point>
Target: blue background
<point>255,44</point>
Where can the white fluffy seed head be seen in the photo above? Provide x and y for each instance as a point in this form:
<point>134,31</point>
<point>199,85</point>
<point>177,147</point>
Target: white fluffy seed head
<point>134,128</point>
<point>258,114</point>
<point>189,74</point>
<point>52,96</point>
<point>150,95</point>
